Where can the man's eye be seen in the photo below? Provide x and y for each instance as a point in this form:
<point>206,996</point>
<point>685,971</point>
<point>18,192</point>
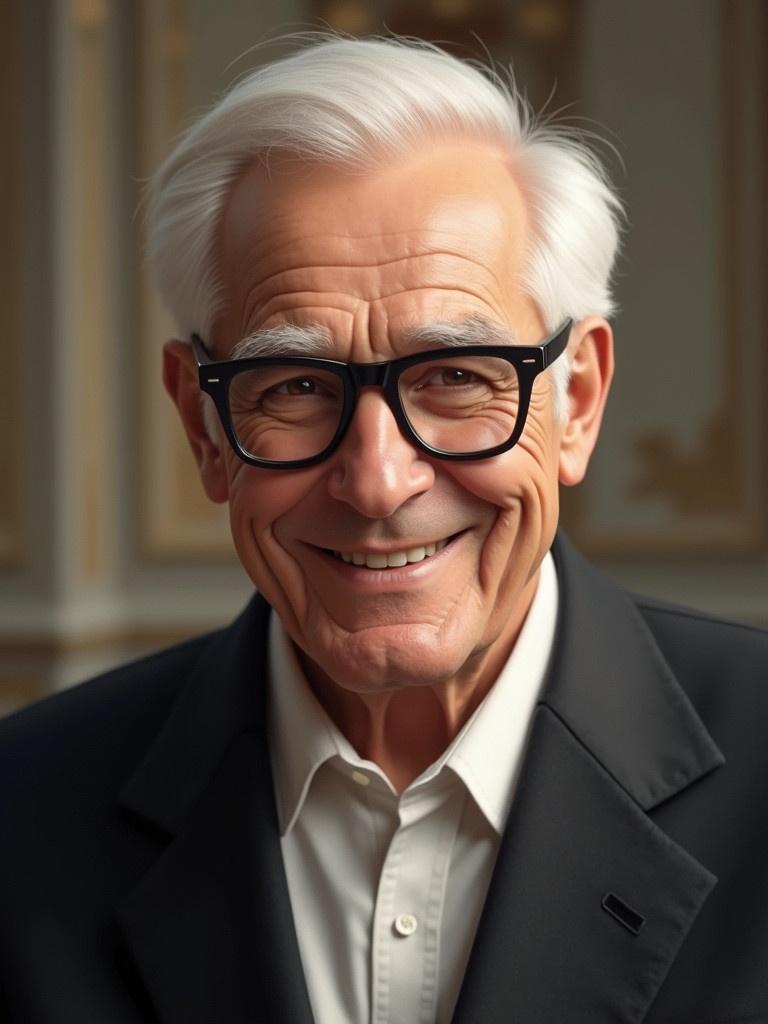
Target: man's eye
<point>449,376</point>
<point>319,387</point>
<point>298,386</point>
<point>454,376</point>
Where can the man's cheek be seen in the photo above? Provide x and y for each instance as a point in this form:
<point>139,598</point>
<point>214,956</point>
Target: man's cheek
<point>265,498</point>
<point>524,497</point>
<point>275,572</point>
<point>253,512</point>
<point>502,481</point>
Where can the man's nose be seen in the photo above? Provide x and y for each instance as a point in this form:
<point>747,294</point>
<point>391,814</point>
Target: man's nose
<point>376,469</point>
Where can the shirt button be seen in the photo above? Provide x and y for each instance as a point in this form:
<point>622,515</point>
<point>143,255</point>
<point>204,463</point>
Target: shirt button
<point>405,925</point>
<point>361,778</point>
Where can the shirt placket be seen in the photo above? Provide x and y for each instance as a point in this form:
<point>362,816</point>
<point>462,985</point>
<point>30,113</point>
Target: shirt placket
<point>409,907</point>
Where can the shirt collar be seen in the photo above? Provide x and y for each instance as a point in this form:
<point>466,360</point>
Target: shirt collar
<point>301,735</point>
<point>488,752</point>
<point>485,755</point>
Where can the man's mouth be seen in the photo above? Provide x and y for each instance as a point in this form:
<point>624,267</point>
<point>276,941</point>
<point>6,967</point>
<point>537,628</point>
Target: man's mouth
<point>393,559</point>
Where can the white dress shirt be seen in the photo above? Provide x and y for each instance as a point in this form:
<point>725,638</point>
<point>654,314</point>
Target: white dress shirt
<point>387,890</point>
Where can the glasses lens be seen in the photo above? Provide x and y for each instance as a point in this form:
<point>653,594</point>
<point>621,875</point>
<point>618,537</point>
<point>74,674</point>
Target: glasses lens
<point>461,404</point>
<point>283,413</point>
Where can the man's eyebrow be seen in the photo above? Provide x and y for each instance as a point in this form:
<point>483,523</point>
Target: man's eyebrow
<point>316,340</point>
<point>475,330</point>
<point>286,340</point>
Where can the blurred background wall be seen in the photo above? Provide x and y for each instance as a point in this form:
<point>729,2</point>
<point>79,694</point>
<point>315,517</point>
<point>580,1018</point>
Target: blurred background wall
<point>107,546</point>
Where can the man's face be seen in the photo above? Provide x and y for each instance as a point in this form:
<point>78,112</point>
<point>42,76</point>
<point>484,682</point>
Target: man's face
<point>431,238</point>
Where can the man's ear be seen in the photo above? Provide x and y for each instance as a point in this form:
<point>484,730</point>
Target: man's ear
<point>181,383</point>
<point>591,353</point>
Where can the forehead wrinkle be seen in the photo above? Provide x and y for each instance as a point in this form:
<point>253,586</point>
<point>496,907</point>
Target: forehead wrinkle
<point>280,281</point>
<point>375,264</point>
<point>297,312</point>
<point>475,329</point>
<point>449,289</point>
<point>256,306</point>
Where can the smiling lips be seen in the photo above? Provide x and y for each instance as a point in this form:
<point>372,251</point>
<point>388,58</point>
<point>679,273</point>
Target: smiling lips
<point>390,559</point>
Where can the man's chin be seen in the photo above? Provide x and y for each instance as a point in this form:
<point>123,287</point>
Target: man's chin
<point>381,658</point>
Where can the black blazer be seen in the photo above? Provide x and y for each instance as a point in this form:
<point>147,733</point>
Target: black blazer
<point>141,878</point>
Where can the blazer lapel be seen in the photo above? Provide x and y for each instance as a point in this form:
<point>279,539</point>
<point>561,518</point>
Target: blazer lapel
<point>209,925</point>
<point>590,901</point>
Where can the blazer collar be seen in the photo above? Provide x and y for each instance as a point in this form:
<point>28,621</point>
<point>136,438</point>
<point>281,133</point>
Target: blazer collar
<point>590,901</point>
<point>222,698</point>
<point>611,686</point>
<point>210,925</point>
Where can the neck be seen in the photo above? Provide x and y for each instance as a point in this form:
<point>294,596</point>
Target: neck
<point>405,730</point>
<point>402,731</point>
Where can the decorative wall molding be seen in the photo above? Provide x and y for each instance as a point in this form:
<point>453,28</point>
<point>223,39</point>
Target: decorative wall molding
<point>49,644</point>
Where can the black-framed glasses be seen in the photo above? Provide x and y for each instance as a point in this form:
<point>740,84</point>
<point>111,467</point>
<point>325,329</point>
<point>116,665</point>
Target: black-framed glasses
<point>464,402</point>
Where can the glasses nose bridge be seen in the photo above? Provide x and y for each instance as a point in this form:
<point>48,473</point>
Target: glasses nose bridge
<point>370,375</point>
<point>375,375</point>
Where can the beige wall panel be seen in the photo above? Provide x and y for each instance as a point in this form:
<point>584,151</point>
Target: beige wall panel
<point>91,239</point>
<point>11,104</point>
<point>176,518</point>
<point>680,467</point>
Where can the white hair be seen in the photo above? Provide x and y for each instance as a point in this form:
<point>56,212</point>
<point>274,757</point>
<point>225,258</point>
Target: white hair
<point>356,103</point>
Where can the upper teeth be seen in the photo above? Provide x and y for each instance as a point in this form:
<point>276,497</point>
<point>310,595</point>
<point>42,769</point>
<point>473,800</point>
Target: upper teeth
<point>392,559</point>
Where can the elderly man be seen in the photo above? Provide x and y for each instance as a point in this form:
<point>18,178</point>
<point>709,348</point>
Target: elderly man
<point>440,769</point>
